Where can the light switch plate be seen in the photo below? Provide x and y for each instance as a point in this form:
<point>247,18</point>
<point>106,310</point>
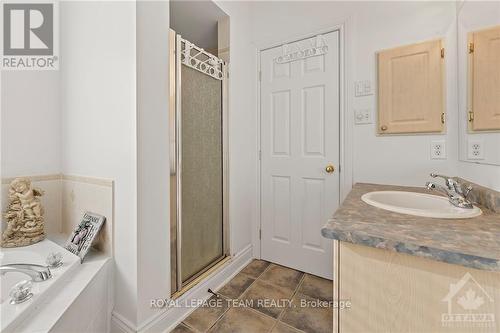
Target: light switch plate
<point>363,88</point>
<point>362,116</point>
<point>475,149</point>
<point>438,150</point>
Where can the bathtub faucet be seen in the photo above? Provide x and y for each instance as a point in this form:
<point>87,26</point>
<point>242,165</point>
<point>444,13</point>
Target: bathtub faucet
<point>37,273</point>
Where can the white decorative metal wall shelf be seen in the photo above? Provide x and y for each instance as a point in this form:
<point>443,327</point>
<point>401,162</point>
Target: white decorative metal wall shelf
<point>200,60</point>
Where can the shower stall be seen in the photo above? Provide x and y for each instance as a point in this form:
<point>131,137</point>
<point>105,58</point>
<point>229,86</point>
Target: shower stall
<point>198,170</point>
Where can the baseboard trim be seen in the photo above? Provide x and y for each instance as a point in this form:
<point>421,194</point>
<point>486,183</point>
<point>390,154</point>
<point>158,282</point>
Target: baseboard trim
<point>169,318</point>
<point>120,324</point>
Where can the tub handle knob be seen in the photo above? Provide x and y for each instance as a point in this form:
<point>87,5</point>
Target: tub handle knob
<point>21,292</point>
<point>54,259</point>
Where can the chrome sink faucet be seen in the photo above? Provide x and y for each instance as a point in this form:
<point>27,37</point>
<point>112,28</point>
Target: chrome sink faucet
<point>37,273</point>
<point>453,190</point>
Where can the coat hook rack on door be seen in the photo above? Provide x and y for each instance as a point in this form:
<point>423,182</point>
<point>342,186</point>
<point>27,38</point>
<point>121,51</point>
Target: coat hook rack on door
<point>199,59</point>
<point>318,47</point>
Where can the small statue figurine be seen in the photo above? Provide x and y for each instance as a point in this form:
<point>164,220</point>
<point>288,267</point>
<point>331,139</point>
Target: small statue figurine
<point>24,216</point>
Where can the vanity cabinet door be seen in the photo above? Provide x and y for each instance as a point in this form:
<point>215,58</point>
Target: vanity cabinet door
<point>484,80</point>
<point>391,292</point>
<point>411,91</point>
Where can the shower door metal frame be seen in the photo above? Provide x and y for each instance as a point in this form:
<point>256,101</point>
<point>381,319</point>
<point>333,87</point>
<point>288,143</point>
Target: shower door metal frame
<point>176,170</point>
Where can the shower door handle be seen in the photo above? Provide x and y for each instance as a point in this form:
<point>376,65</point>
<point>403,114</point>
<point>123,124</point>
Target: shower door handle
<point>173,143</point>
<point>173,160</point>
<point>173,106</point>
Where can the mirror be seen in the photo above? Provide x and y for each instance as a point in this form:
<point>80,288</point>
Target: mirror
<point>479,81</point>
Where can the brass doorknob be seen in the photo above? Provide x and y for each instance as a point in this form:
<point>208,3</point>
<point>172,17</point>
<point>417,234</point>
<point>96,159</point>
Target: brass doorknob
<point>330,168</point>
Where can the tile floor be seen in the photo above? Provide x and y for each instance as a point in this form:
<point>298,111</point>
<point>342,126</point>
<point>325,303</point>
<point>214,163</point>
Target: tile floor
<point>242,307</point>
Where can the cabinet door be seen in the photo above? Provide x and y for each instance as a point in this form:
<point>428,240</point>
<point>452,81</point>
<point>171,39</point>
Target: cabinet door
<point>411,91</point>
<point>484,101</point>
<point>391,292</point>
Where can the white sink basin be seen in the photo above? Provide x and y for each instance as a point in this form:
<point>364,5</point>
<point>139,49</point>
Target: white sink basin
<point>418,204</point>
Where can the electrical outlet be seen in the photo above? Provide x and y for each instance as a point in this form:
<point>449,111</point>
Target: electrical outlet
<point>362,116</point>
<point>475,149</point>
<point>438,150</point>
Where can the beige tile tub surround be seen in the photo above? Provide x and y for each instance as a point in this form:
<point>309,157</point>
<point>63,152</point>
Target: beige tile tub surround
<point>65,200</point>
<point>80,194</point>
<point>51,200</point>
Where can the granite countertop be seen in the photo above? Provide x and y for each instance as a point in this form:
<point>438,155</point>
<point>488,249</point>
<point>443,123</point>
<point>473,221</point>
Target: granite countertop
<point>473,242</point>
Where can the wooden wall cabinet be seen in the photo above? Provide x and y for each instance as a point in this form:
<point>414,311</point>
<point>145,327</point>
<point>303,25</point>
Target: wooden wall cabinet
<point>411,89</point>
<point>484,80</point>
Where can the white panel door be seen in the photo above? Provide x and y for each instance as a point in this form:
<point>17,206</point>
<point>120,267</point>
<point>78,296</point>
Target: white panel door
<point>299,139</point>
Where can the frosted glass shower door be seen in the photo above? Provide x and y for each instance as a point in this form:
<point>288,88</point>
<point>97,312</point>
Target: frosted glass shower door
<point>201,157</point>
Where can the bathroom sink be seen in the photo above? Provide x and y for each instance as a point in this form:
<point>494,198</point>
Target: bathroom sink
<point>418,204</point>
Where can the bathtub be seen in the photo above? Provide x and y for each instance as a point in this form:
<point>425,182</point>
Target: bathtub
<point>12,315</point>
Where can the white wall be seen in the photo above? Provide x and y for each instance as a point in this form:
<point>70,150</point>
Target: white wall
<point>242,116</point>
<point>153,177</point>
<point>98,107</point>
<point>482,174</point>
<point>30,123</point>
<point>30,133</point>
<point>372,26</point>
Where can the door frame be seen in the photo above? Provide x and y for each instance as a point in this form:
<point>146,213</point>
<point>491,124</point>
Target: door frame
<point>345,122</point>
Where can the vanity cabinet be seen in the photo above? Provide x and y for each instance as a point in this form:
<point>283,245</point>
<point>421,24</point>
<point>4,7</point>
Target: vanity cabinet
<point>484,80</point>
<point>411,89</point>
<point>395,292</point>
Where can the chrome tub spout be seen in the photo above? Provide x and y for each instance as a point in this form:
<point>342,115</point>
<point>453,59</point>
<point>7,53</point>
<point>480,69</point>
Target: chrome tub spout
<point>37,273</point>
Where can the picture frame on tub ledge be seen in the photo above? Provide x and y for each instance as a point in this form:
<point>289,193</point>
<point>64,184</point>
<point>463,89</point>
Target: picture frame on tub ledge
<point>83,235</point>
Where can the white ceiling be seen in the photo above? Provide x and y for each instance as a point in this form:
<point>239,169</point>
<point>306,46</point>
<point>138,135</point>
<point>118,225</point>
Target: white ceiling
<point>196,21</point>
